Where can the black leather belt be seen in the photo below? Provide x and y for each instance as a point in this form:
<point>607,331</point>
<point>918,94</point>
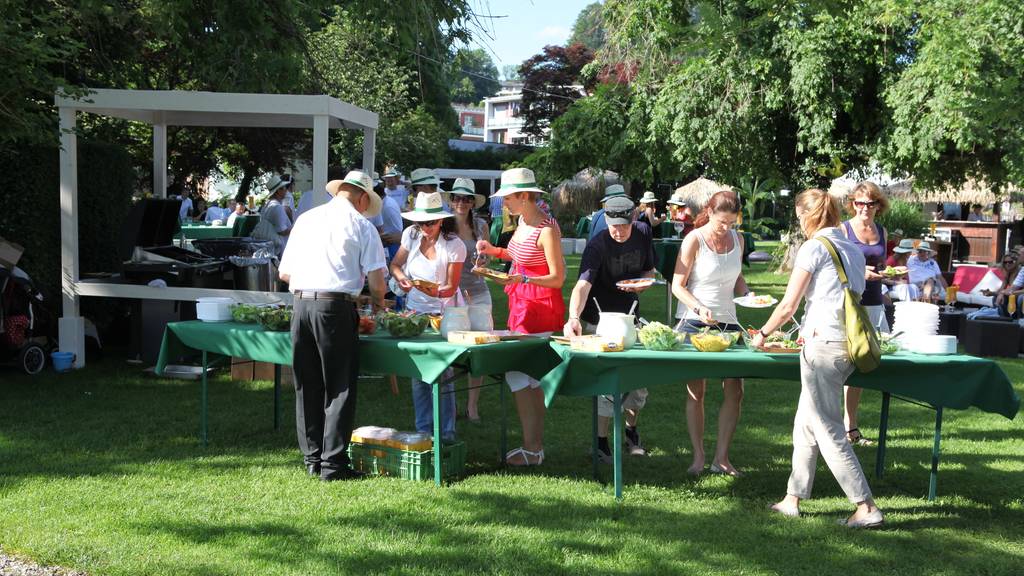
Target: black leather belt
<point>315,295</point>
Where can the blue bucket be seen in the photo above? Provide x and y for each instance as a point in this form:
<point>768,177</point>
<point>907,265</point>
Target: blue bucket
<point>62,361</point>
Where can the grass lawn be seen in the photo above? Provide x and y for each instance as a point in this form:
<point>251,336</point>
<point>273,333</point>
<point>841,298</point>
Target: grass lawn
<point>101,470</point>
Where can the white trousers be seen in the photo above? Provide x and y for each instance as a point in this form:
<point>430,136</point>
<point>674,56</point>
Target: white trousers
<point>818,427</point>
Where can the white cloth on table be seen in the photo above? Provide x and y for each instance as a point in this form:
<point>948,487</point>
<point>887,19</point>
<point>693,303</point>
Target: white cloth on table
<point>419,267</point>
<point>824,314</point>
<point>332,248</point>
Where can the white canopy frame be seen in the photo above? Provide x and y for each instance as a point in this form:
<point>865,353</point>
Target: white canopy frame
<point>163,108</point>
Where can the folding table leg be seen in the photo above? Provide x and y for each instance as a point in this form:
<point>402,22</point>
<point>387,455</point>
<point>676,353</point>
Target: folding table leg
<point>668,301</point>
<point>883,432</point>
<point>202,404</point>
<point>503,449</point>
<point>436,393</point>
<point>277,396</point>
<point>617,450</point>
<point>933,478</point>
<point>593,447</point>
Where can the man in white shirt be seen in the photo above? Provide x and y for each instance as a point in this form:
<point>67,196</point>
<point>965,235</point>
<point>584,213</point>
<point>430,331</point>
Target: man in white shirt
<point>924,273</point>
<point>332,249</point>
<point>274,222</point>
<point>394,190</point>
<point>239,210</point>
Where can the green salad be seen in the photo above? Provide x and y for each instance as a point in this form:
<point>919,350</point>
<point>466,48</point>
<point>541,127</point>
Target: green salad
<point>658,336</point>
<point>403,325</point>
<point>247,313</point>
<point>276,318</point>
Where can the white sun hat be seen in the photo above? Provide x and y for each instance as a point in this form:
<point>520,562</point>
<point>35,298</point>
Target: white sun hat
<point>466,187</point>
<point>648,198</point>
<point>391,172</point>
<point>361,181</point>
<point>424,177</point>
<point>428,206</point>
<point>517,180</point>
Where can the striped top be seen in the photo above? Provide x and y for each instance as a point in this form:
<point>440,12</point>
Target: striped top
<point>527,253</point>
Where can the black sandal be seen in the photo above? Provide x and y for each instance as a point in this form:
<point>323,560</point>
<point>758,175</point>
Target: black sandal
<point>854,437</point>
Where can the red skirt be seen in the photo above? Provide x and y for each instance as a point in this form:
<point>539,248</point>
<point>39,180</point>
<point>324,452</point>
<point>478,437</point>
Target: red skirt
<point>534,309</point>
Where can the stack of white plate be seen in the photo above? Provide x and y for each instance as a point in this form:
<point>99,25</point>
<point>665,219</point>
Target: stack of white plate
<point>914,320</point>
<point>937,344</point>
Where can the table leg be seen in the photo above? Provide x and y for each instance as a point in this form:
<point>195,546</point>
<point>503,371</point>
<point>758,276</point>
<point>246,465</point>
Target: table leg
<point>504,424</point>
<point>883,432</point>
<point>933,478</point>
<point>277,396</point>
<point>436,393</point>
<point>668,301</point>
<point>593,446</point>
<point>617,449</point>
<point>202,403</point>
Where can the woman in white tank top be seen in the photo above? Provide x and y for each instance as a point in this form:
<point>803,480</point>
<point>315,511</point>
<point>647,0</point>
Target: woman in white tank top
<point>708,276</point>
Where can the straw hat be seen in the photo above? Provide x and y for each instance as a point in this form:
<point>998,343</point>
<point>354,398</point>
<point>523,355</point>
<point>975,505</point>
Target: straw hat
<point>276,182</point>
<point>517,180</point>
<point>648,198</point>
<point>466,187</point>
<point>676,201</point>
<point>360,181</point>
<point>613,191</point>
<point>424,177</point>
<point>925,246</point>
<point>905,246</point>
<point>391,172</point>
<point>427,207</point>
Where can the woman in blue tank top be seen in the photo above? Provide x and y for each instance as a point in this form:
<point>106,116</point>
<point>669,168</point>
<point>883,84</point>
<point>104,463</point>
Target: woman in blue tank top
<point>865,202</point>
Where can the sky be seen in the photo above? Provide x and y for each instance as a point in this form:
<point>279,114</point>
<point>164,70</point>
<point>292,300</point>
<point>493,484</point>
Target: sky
<point>521,28</point>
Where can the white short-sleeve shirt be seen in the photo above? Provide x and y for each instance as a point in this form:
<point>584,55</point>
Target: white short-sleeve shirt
<point>824,312</point>
<point>418,267</point>
<point>332,248</point>
<point>920,270</point>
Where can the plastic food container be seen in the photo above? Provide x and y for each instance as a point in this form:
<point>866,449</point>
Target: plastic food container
<point>214,309</point>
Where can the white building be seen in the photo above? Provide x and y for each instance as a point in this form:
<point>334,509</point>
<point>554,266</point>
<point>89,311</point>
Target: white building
<point>502,122</point>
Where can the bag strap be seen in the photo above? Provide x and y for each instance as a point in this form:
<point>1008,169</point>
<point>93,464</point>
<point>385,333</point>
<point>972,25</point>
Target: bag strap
<point>835,260</point>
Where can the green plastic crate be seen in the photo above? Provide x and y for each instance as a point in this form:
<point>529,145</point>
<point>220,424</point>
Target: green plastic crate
<point>407,464</point>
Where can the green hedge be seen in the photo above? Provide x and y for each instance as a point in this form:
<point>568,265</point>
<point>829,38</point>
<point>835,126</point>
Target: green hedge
<point>30,213</point>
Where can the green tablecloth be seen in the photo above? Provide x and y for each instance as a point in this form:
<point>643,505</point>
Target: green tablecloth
<point>583,227</point>
<point>945,381</point>
<point>666,251</point>
<point>203,231</point>
<point>426,357</point>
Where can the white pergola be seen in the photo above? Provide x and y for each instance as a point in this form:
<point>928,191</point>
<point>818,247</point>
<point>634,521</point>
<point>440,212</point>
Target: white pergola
<point>163,108</point>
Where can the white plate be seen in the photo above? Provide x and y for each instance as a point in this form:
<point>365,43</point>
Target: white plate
<point>748,301</point>
<point>636,283</point>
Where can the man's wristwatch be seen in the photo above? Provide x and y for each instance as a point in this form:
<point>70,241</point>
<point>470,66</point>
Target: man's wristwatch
<point>526,279</point>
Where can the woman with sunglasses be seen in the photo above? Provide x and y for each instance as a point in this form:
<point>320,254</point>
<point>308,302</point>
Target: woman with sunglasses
<point>535,304</point>
<point>432,251</point>
<point>463,199</point>
<point>866,202</point>
<point>1013,282</point>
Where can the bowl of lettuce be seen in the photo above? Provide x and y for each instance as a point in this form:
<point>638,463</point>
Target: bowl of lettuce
<point>659,337</point>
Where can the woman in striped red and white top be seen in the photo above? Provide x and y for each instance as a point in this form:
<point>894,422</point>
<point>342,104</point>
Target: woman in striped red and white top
<point>535,303</point>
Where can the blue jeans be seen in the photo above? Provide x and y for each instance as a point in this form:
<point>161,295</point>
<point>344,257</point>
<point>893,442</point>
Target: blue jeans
<point>423,404</point>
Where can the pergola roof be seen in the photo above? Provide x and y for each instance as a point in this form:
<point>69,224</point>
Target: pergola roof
<point>181,108</point>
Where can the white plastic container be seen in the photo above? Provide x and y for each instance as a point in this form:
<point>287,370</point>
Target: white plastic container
<point>617,326</point>
<point>568,246</point>
<point>581,244</point>
<point>214,308</point>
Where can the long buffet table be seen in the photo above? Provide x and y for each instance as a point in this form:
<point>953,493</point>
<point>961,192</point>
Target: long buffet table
<point>939,382</point>
<point>427,357</point>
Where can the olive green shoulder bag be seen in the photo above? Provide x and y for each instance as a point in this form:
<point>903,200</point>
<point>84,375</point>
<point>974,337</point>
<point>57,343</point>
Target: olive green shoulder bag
<point>861,337</point>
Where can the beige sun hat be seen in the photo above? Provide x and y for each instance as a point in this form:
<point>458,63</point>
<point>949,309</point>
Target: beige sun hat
<point>676,201</point>
<point>465,187</point>
<point>391,172</point>
<point>648,198</point>
<point>517,180</point>
<point>424,177</point>
<point>925,246</point>
<point>428,206</point>
<point>276,182</point>
<point>361,181</point>
<point>906,245</point>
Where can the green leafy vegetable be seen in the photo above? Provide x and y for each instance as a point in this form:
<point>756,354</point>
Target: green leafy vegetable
<point>657,336</point>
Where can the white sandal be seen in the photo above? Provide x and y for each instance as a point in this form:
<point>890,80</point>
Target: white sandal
<point>526,455</point>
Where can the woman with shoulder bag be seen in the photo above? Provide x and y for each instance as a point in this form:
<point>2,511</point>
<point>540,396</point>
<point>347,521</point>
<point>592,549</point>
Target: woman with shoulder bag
<point>825,360</point>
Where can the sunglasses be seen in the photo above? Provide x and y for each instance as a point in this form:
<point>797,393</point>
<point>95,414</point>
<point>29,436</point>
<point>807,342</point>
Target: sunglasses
<point>619,214</point>
<point>862,204</point>
<point>429,223</point>
<point>462,198</point>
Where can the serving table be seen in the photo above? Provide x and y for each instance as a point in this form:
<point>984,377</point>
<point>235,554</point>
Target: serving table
<point>426,357</point>
<point>937,382</point>
<point>198,231</point>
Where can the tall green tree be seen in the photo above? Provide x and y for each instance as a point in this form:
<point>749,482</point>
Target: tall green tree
<point>588,29</point>
<point>473,75</point>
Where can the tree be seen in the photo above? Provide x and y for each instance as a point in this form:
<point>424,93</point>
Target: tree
<point>473,75</point>
<point>589,27</point>
<point>755,194</point>
<point>510,72</point>
<point>551,83</point>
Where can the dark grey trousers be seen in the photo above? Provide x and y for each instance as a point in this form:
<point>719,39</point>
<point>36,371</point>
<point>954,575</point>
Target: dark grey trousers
<point>325,359</point>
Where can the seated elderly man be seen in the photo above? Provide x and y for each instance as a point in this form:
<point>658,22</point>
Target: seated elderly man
<point>925,274</point>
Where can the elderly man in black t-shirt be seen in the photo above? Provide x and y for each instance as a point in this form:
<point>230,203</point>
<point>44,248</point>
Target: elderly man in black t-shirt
<point>622,252</point>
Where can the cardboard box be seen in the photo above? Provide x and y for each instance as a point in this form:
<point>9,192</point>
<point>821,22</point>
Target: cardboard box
<point>10,253</point>
<point>245,369</point>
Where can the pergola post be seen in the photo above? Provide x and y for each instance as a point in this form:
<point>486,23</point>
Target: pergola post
<point>160,160</point>
<point>320,132</point>
<point>369,142</point>
<point>71,326</point>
